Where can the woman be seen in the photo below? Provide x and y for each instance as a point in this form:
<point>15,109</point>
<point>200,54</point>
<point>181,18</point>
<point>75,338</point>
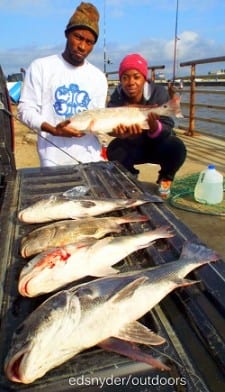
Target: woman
<point>133,145</point>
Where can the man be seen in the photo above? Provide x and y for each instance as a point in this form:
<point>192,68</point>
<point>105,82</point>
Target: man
<point>133,145</point>
<point>59,86</point>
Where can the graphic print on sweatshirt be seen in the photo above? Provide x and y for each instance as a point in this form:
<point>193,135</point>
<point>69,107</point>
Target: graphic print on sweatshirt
<point>70,100</point>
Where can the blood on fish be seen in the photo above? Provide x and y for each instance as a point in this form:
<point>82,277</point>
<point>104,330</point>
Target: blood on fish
<point>52,258</point>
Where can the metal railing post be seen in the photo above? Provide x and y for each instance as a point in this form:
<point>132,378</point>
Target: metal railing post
<point>190,131</point>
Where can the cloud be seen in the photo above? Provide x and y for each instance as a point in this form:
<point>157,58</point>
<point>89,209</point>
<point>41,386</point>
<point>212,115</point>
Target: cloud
<point>190,46</point>
<point>146,27</point>
<point>14,59</point>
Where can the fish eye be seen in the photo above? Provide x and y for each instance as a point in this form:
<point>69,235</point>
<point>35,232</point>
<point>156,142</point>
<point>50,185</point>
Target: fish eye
<point>85,292</point>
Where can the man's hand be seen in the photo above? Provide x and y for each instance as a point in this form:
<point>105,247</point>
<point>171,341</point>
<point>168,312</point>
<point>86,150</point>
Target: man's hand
<point>62,129</point>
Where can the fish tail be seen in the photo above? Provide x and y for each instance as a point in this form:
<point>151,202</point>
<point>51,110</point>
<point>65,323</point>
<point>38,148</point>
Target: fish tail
<point>174,106</point>
<point>199,254</point>
<point>149,237</point>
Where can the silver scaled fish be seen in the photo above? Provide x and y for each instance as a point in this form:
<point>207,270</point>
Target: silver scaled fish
<point>58,207</point>
<point>103,121</point>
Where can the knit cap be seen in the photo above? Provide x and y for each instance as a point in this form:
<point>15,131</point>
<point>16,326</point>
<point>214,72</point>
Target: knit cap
<point>134,61</point>
<point>85,16</point>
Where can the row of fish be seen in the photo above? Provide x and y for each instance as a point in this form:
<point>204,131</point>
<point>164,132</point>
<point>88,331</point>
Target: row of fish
<point>69,250</point>
<point>89,314</point>
<point>101,312</point>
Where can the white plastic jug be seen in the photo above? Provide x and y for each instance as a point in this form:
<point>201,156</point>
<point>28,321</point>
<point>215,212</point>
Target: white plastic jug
<point>209,187</point>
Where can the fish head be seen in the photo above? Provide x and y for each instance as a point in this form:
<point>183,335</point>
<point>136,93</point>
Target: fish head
<point>36,241</point>
<point>37,211</point>
<point>40,274</point>
<point>42,341</point>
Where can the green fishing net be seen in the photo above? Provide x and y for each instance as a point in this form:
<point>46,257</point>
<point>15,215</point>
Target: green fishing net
<point>182,196</point>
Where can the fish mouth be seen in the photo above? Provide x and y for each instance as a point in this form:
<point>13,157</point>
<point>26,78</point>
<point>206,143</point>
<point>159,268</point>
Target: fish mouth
<point>25,252</point>
<point>20,215</point>
<point>23,286</point>
<point>23,290</point>
<point>12,368</point>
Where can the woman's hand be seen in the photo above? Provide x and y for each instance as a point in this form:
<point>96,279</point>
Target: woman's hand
<point>153,122</point>
<point>124,131</point>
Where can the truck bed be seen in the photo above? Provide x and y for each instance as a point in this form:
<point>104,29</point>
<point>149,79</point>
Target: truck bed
<point>191,319</point>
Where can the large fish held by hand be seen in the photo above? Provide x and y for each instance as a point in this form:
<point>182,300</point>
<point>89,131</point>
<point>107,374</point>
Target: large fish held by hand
<point>74,320</point>
<point>55,268</point>
<point>102,121</point>
<point>70,231</point>
<point>58,207</point>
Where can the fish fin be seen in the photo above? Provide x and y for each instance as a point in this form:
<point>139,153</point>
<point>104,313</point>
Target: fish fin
<point>132,351</point>
<point>128,290</point>
<point>91,126</point>
<point>87,203</point>
<point>101,272</point>
<point>185,282</point>
<point>83,204</point>
<point>85,243</point>
<point>134,217</point>
<point>138,333</point>
<point>148,197</point>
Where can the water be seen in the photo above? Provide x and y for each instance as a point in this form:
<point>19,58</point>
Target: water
<point>206,99</point>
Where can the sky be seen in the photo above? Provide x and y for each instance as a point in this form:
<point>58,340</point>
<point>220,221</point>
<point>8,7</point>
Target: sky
<point>35,28</point>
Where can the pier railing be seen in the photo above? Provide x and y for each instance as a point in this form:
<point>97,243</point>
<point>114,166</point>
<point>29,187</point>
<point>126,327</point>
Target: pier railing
<point>194,90</point>
<point>191,91</point>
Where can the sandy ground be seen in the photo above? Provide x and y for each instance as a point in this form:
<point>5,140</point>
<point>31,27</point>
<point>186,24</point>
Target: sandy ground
<point>25,145</point>
<point>200,151</point>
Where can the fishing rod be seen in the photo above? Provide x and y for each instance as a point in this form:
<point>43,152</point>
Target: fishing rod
<point>175,43</point>
<point>3,108</point>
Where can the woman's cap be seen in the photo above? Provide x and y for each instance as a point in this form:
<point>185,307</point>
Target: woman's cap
<point>85,16</point>
<point>134,61</point>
